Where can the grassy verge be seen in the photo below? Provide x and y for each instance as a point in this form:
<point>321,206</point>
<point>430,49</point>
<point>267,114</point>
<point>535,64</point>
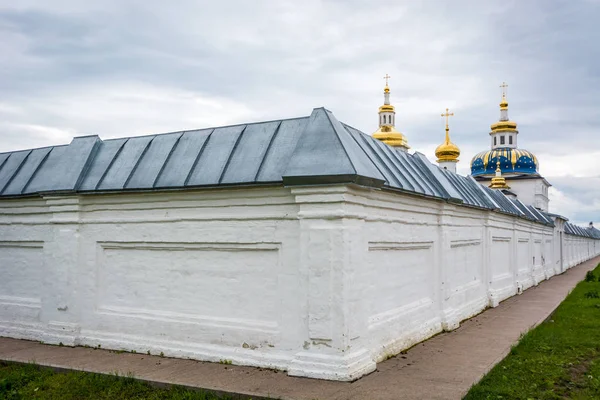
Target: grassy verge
<point>18,381</point>
<point>559,359</point>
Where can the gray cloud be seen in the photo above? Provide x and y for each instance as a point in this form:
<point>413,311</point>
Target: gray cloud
<point>120,68</point>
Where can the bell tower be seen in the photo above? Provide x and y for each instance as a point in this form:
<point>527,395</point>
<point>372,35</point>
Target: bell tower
<point>387,132</point>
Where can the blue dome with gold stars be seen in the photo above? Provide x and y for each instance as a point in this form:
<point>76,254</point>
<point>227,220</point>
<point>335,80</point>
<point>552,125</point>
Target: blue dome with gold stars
<point>512,161</point>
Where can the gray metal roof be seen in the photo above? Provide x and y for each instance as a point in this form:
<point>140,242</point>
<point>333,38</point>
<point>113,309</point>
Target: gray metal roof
<point>317,149</point>
<point>577,230</point>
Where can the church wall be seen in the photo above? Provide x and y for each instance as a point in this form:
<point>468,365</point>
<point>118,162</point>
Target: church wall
<point>210,275</point>
<point>320,281</point>
<point>463,239</point>
<point>529,191</point>
<point>24,231</point>
<point>468,259</point>
<point>403,251</point>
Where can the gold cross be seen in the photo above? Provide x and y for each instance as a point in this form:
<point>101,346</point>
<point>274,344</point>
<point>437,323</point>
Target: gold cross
<point>447,115</point>
<point>386,77</point>
<point>504,90</point>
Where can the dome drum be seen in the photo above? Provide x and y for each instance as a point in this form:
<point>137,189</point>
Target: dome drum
<point>512,161</point>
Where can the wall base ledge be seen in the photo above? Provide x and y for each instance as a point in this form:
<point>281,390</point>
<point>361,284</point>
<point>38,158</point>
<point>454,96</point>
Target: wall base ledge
<point>538,275</point>
<point>338,367</point>
<point>259,357</point>
<point>524,283</point>
<point>451,317</point>
<point>497,295</point>
<point>409,338</point>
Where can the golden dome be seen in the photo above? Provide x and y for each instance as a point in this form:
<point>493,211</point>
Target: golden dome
<point>391,137</point>
<point>447,151</point>
<point>387,108</point>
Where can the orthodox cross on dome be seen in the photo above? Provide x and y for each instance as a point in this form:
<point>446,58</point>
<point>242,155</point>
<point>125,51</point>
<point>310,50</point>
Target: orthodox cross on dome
<point>386,77</point>
<point>504,90</point>
<point>447,114</point>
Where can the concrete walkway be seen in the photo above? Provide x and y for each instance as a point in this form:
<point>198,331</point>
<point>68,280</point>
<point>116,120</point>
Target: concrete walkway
<point>444,367</point>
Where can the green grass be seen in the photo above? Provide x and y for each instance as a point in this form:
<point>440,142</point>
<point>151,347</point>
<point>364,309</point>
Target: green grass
<point>560,359</point>
<point>19,381</point>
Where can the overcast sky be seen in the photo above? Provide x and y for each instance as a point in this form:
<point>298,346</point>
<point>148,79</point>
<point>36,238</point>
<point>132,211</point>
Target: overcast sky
<point>126,67</point>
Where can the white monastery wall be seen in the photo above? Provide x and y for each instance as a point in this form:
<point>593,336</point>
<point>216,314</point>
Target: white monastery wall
<point>320,281</point>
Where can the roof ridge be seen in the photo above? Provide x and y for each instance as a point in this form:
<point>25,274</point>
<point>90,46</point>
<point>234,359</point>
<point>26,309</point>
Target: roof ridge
<point>328,114</point>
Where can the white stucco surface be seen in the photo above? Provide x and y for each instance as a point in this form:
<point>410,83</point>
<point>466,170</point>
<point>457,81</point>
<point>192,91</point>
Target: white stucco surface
<point>318,281</point>
<point>531,191</point>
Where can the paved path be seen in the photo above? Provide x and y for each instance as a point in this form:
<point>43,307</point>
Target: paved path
<point>444,367</point>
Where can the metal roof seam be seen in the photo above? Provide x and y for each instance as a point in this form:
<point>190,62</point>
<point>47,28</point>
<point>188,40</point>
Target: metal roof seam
<point>510,207</point>
<point>16,170</point>
<point>486,199</point>
<point>383,162</point>
<point>363,150</point>
<point>413,193</point>
<point>491,203</point>
<point>162,168</point>
<point>36,170</point>
<point>88,164</point>
<point>510,203</point>
<point>231,153</point>
<point>400,168</point>
<point>404,161</point>
<point>524,208</point>
<point>471,191</point>
<point>110,164</point>
<point>4,161</point>
<point>140,158</point>
<point>191,171</point>
<point>460,186</point>
<point>498,200</point>
<point>267,151</point>
<point>435,182</point>
<point>425,183</point>
<point>537,213</point>
<point>394,165</point>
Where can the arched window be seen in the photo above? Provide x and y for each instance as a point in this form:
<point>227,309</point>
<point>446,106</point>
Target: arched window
<point>510,139</point>
<point>384,120</point>
<point>495,141</point>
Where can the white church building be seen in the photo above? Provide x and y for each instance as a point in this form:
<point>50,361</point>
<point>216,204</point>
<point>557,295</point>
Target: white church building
<point>300,244</point>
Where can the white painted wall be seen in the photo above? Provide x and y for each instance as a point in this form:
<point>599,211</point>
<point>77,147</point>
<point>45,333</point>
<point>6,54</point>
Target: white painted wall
<point>322,282</point>
<point>449,165</point>
<point>533,191</point>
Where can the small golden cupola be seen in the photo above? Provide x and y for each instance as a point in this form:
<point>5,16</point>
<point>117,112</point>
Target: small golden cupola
<point>387,132</point>
<point>447,153</point>
<point>504,132</point>
<point>498,181</point>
